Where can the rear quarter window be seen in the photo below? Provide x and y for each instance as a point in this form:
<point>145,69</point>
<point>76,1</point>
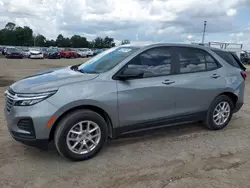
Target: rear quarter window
<point>227,57</point>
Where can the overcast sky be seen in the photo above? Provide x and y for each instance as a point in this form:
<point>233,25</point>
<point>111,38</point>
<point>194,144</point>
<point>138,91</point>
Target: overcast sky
<point>136,20</point>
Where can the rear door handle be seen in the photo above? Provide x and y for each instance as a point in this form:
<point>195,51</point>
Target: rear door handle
<point>215,76</point>
<point>168,82</point>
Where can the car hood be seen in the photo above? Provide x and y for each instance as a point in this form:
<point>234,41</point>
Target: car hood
<point>14,52</point>
<point>50,79</point>
<point>35,52</point>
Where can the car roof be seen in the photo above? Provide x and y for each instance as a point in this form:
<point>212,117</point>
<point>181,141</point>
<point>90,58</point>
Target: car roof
<point>146,45</point>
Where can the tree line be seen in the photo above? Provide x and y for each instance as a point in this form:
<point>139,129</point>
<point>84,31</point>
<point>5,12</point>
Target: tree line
<point>13,35</point>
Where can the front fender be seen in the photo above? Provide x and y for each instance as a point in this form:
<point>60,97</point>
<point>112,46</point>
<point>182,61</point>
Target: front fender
<point>100,94</point>
<point>88,102</point>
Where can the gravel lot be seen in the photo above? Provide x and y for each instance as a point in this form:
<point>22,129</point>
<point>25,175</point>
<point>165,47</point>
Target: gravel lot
<point>180,156</point>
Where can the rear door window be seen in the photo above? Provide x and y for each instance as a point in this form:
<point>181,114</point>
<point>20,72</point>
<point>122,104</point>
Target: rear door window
<point>195,60</point>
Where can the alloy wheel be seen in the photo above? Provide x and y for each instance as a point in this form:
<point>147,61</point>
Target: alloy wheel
<point>221,113</point>
<point>83,137</point>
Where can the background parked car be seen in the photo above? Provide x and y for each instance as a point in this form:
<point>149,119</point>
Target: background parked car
<point>85,52</point>
<point>89,52</point>
<point>81,52</point>
<point>68,53</point>
<point>53,53</point>
<point>4,50</point>
<point>26,52</point>
<point>12,52</point>
<point>1,50</point>
<point>245,57</point>
<point>36,53</point>
<point>44,51</point>
<point>97,51</point>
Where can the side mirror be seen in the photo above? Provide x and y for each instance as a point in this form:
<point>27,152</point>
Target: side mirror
<point>129,73</point>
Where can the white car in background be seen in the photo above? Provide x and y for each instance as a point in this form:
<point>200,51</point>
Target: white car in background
<point>85,52</point>
<point>36,53</point>
<point>26,52</point>
<point>81,52</point>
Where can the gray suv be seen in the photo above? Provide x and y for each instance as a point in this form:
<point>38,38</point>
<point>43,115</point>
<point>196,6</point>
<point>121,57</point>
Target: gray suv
<point>122,90</point>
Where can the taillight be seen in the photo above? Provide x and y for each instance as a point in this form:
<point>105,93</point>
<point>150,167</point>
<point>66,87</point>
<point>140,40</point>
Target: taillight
<point>243,74</point>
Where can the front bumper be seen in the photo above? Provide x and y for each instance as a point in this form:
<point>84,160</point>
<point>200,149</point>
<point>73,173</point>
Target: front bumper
<point>37,143</point>
<point>53,56</point>
<point>37,56</point>
<point>14,56</point>
<point>26,55</point>
<point>37,134</point>
<point>82,55</point>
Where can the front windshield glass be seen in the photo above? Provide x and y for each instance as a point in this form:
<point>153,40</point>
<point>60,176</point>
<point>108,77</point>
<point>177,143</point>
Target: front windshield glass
<point>34,49</point>
<point>12,50</point>
<point>82,50</point>
<point>25,49</point>
<point>52,50</point>
<point>107,59</point>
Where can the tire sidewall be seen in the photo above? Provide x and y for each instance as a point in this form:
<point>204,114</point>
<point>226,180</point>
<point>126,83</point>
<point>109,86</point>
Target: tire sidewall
<point>73,119</point>
<point>210,121</point>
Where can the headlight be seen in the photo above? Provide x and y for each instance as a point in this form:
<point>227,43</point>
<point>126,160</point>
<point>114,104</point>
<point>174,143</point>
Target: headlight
<point>31,99</point>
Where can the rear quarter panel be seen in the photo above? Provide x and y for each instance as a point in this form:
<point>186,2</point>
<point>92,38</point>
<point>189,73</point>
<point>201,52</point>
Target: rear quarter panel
<point>234,81</point>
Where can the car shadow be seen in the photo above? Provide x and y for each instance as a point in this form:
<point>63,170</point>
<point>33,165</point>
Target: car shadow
<point>171,132</point>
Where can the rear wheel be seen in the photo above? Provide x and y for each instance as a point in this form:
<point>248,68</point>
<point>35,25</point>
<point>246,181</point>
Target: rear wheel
<point>219,113</point>
<point>81,135</point>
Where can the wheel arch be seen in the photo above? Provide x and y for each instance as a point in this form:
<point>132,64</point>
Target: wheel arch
<point>94,108</point>
<point>231,95</point>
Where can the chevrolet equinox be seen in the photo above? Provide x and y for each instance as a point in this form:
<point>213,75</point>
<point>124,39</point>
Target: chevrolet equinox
<point>124,89</point>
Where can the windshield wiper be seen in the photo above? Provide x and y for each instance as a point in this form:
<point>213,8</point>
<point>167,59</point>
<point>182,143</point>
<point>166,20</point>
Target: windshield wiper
<point>76,68</point>
<point>87,72</point>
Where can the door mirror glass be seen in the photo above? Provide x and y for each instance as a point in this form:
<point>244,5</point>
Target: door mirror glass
<point>129,73</point>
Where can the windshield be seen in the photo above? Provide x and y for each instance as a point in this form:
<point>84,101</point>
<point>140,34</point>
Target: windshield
<point>25,49</point>
<point>34,49</point>
<point>52,50</point>
<point>82,50</point>
<point>12,50</point>
<point>107,59</point>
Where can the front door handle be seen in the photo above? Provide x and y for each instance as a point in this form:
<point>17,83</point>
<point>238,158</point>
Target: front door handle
<point>168,82</point>
<point>215,76</point>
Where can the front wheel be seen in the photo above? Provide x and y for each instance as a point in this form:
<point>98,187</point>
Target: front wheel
<point>81,135</point>
<point>219,113</point>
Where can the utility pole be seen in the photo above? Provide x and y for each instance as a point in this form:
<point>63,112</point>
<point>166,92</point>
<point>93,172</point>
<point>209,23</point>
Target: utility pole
<point>34,40</point>
<point>204,31</point>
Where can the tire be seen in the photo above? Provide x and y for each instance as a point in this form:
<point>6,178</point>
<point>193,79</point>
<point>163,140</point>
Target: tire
<point>68,122</point>
<point>209,121</point>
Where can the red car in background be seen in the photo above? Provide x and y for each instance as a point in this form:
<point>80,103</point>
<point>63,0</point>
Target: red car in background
<point>68,53</point>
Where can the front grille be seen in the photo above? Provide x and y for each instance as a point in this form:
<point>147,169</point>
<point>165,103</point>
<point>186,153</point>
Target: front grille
<point>39,53</point>
<point>11,92</point>
<point>27,125</point>
<point>9,99</point>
